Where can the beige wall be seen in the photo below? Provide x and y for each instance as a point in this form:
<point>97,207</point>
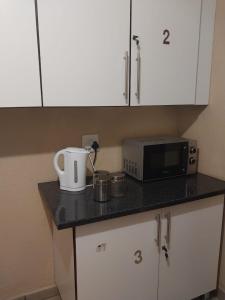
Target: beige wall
<point>207,125</point>
<point>28,139</point>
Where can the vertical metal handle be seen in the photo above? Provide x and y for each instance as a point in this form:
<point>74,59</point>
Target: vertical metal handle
<point>138,59</point>
<point>126,91</point>
<point>158,239</point>
<point>168,232</point>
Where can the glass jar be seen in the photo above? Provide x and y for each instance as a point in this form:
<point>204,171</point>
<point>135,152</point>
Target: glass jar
<point>101,184</point>
<point>118,184</point>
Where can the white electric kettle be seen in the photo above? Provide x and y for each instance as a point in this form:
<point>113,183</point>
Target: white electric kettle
<point>73,177</point>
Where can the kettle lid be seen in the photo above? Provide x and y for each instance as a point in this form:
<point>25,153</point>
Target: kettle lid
<point>77,150</point>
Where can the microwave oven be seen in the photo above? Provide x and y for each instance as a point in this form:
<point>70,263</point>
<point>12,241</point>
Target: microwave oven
<point>158,158</point>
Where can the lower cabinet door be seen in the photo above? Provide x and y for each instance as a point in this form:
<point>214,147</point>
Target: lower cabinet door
<point>192,238</point>
<point>118,259</point>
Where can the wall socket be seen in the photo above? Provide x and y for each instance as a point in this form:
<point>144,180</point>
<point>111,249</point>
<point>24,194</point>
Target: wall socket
<point>87,140</point>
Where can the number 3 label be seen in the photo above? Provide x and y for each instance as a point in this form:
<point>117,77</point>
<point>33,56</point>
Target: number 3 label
<point>166,33</point>
<point>138,257</point>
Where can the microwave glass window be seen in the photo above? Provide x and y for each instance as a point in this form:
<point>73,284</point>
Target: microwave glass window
<point>155,160</point>
<point>172,158</point>
<point>166,160</point>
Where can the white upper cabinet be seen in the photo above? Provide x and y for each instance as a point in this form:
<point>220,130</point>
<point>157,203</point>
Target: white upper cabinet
<point>84,52</point>
<point>205,51</point>
<point>85,55</point>
<point>19,71</point>
<point>164,70</point>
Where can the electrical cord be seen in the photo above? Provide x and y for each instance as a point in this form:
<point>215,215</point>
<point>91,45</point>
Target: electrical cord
<point>95,147</point>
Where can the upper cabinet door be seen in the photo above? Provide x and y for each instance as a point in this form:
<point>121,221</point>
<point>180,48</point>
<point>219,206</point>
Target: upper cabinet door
<point>19,71</point>
<point>164,69</point>
<point>84,52</point>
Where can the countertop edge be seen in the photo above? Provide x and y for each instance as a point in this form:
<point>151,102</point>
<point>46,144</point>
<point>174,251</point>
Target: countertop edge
<point>136,211</point>
<point>220,190</point>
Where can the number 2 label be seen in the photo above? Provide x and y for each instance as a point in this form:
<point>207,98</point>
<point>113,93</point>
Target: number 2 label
<point>166,34</point>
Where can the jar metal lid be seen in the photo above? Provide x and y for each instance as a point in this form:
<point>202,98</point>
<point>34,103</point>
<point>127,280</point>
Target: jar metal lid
<point>101,175</point>
<point>117,176</point>
<point>101,172</point>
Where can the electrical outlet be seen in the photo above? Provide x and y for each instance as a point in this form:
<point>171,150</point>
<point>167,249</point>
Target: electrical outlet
<point>87,140</point>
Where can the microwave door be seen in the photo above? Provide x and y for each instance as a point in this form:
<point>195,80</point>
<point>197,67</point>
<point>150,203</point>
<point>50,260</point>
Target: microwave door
<point>165,160</point>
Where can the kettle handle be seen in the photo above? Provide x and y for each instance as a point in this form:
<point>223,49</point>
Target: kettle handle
<point>56,160</point>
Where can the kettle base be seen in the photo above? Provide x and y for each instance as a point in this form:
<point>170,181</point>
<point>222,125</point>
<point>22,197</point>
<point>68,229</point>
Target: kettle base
<point>64,188</point>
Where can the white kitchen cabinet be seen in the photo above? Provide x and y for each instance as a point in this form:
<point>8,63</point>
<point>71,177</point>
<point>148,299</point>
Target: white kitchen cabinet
<point>123,258</point>
<point>168,32</point>
<point>193,248</point>
<point>118,259</point>
<point>173,64</point>
<point>86,61</point>
<point>19,72</point>
<point>205,52</point>
<point>84,52</point>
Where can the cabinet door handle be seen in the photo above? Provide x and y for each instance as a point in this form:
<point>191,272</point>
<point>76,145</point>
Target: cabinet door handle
<point>138,59</point>
<point>168,231</point>
<point>126,91</point>
<point>158,239</point>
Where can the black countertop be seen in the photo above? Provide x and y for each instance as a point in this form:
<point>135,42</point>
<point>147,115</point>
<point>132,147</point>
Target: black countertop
<point>70,209</point>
